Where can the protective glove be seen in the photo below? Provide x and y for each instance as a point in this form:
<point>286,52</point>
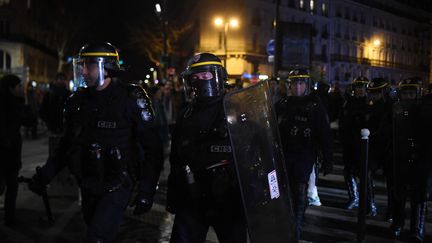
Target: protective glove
<point>142,204</point>
<point>37,185</point>
<point>327,168</point>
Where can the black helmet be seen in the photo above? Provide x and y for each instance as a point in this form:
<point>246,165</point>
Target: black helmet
<point>360,81</point>
<point>300,75</point>
<point>205,75</point>
<point>411,87</point>
<point>377,85</point>
<point>96,57</point>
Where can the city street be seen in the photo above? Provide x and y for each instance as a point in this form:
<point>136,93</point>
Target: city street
<point>327,223</point>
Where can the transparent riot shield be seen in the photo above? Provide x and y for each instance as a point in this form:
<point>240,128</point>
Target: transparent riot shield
<point>260,165</point>
<point>403,142</point>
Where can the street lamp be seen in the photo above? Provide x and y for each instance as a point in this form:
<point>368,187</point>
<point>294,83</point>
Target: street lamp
<point>162,17</point>
<point>231,23</point>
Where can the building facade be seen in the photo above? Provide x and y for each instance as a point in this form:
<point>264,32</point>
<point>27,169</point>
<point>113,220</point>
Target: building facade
<point>390,39</point>
<point>25,42</point>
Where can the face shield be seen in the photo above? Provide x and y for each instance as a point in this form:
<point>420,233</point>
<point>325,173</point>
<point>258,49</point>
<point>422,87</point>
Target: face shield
<point>207,81</point>
<point>88,72</point>
<point>299,86</point>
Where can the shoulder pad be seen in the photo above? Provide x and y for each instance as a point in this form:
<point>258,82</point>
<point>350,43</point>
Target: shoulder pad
<point>139,95</point>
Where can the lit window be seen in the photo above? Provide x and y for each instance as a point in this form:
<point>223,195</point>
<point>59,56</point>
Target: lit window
<point>5,61</point>
<point>324,9</point>
<point>301,4</point>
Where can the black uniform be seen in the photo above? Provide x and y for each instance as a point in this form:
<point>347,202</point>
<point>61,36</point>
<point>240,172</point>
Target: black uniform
<point>202,185</point>
<point>13,114</point>
<point>201,143</point>
<point>305,130</point>
<point>411,163</point>
<point>109,144</point>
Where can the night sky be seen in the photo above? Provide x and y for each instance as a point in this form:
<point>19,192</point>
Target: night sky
<point>112,21</point>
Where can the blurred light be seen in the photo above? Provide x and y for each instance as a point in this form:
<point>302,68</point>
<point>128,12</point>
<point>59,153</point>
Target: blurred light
<point>234,22</point>
<point>151,69</point>
<point>376,42</point>
<point>69,59</point>
<point>218,21</point>
<point>71,85</point>
<point>146,81</point>
<point>147,76</point>
<point>246,75</point>
<point>33,84</point>
<point>158,8</point>
<point>121,62</point>
<point>263,76</point>
<point>156,81</point>
<point>140,81</point>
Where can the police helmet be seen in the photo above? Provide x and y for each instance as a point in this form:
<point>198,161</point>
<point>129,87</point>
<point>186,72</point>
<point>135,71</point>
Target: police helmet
<point>377,85</point>
<point>94,63</point>
<point>300,75</point>
<point>205,76</point>
<point>410,88</point>
<point>360,82</point>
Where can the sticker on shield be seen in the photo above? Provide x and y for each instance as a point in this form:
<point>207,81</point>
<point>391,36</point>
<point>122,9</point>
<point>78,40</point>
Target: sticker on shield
<point>273,184</point>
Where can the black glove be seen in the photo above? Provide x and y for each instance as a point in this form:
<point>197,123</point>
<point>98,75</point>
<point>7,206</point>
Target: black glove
<point>37,185</point>
<point>142,204</point>
<point>327,168</point>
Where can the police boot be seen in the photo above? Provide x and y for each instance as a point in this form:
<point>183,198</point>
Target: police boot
<point>352,192</point>
<point>372,210</point>
<point>389,213</point>
<point>398,209</point>
<point>418,212</point>
<point>300,202</point>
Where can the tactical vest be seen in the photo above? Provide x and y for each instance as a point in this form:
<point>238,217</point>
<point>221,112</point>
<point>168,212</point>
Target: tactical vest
<point>295,123</point>
<point>203,141</point>
<point>101,124</point>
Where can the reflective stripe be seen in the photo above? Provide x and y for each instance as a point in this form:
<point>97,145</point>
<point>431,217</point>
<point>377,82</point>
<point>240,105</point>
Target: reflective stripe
<point>299,76</point>
<point>95,54</point>
<point>205,63</point>
<point>379,87</point>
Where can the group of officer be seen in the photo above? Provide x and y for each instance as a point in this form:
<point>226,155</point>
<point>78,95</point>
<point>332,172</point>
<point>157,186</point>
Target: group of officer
<point>398,145</point>
<point>111,146</point>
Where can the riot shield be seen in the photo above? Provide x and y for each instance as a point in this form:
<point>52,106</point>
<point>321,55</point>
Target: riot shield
<point>403,141</point>
<point>260,165</point>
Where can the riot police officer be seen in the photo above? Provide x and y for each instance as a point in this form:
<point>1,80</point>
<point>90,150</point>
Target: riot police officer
<point>202,185</point>
<point>411,158</point>
<point>109,143</point>
<point>379,140</point>
<point>305,131</point>
<point>353,118</point>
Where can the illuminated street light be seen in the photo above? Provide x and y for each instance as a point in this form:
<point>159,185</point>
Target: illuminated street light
<point>232,23</point>
<point>158,8</point>
<point>376,42</point>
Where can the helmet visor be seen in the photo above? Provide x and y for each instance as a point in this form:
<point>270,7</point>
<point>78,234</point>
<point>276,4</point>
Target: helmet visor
<point>204,81</point>
<point>88,72</point>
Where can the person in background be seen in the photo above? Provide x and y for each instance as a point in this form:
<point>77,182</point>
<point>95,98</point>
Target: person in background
<point>14,113</point>
<point>305,132</point>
